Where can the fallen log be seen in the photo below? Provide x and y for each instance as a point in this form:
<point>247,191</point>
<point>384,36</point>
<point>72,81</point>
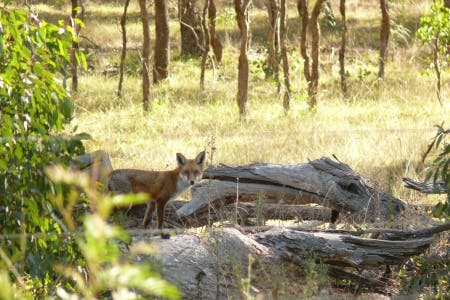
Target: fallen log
<point>341,249</point>
<point>249,214</point>
<point>426,188</point>
<point>213,265</point>
<point>323,181</point>
<point>96,164</point>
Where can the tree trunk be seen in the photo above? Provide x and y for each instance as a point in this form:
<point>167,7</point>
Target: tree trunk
<point>123,22</point>
<point>145,55</point>
<point>75,44</point>
<point>162,49</point>
<point>342,50</point>
<point>315,40</point>
<point>284,57</point>
<point>241,8</point>
<point>437,66</point>
<point>215,42</point>
<point>384,37</point>
<point>302,6</point>
<point>206,42</point>
<point>273,45</point>
<point>190,28</point>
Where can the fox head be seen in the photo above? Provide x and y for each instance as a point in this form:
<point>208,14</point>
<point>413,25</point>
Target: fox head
<point>191,170</point>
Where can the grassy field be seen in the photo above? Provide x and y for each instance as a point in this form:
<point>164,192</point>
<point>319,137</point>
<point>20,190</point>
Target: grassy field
<point>381,131</point>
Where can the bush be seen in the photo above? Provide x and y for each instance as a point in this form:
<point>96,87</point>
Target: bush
<point>34,107</point>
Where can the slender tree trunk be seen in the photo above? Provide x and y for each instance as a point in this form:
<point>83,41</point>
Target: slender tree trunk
<point>342,50</point>
<point>241,8</point>
<point>272,68</point>
<point>284,57</point>
<point>384,37</point>
<point>162,49</point>
<point>437,66</point>
<point>215,42</point>
<point>75,44</point>
<point>302,6</point>
<point>190,28</point>
<point>315,40</point>
<point>123,22</point>
<point>145,55</point>
<point>206,41</point>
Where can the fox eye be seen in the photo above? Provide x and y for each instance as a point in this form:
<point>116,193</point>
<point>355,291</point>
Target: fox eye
<point>196,173</point>
<point>186,173</point>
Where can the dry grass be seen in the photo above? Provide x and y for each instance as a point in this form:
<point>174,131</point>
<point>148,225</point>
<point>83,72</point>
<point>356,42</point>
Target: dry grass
<point>379,131</point>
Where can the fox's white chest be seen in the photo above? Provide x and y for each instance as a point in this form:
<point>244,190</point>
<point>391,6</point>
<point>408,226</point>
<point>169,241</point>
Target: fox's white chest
<point>182,186</point>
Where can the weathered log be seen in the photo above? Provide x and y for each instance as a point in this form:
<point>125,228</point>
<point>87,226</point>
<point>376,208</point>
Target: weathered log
<point>341,249</point>
<point>212,267</point>
<point>215,194</point>
<point>426,188</point>
<point>248,214</point>
<point>96,164</point>
<point>323,181</point>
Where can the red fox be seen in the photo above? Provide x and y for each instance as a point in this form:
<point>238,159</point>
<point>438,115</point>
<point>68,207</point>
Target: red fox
<point>161,186</point>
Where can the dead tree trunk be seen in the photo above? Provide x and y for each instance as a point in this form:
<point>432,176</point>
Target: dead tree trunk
<point>162,49</point>
<point>342,50</point>
<point>384,37</point>
<point>323,181</point>
<point>241,8</point>
<point>123,22</point>
<point>145,60</point>
<point>284,57</point>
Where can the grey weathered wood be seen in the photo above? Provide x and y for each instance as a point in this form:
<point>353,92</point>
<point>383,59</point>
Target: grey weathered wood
<point>340,249</point>
<point>214,194</point>
<point>324,181</point>
<point>205,268</point>
<point>96,164</point>
<point>212,265</point>
<point>426,188</point>
<point>247,214</point>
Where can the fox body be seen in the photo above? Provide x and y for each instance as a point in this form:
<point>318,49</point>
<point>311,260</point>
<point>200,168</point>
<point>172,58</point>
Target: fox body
<point>161,186</point>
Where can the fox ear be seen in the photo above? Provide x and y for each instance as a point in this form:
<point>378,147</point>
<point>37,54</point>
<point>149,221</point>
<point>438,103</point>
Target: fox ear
<point>181,160</point>
<point>200,159</point>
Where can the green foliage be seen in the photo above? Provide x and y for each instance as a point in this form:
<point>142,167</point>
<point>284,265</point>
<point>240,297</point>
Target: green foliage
<point>316,276</point>
<point>34,107</point>
<point>107,271</point>
<point>435,30</point>
<point>435,27</point>
<point>440,172</point>
<point>428,276</point>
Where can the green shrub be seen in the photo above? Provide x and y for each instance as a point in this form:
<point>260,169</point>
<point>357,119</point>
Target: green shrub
<point>34,107</point>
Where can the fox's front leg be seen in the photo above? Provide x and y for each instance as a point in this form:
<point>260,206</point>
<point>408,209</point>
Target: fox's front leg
<point>160,215</point>
<point>148,213</point>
